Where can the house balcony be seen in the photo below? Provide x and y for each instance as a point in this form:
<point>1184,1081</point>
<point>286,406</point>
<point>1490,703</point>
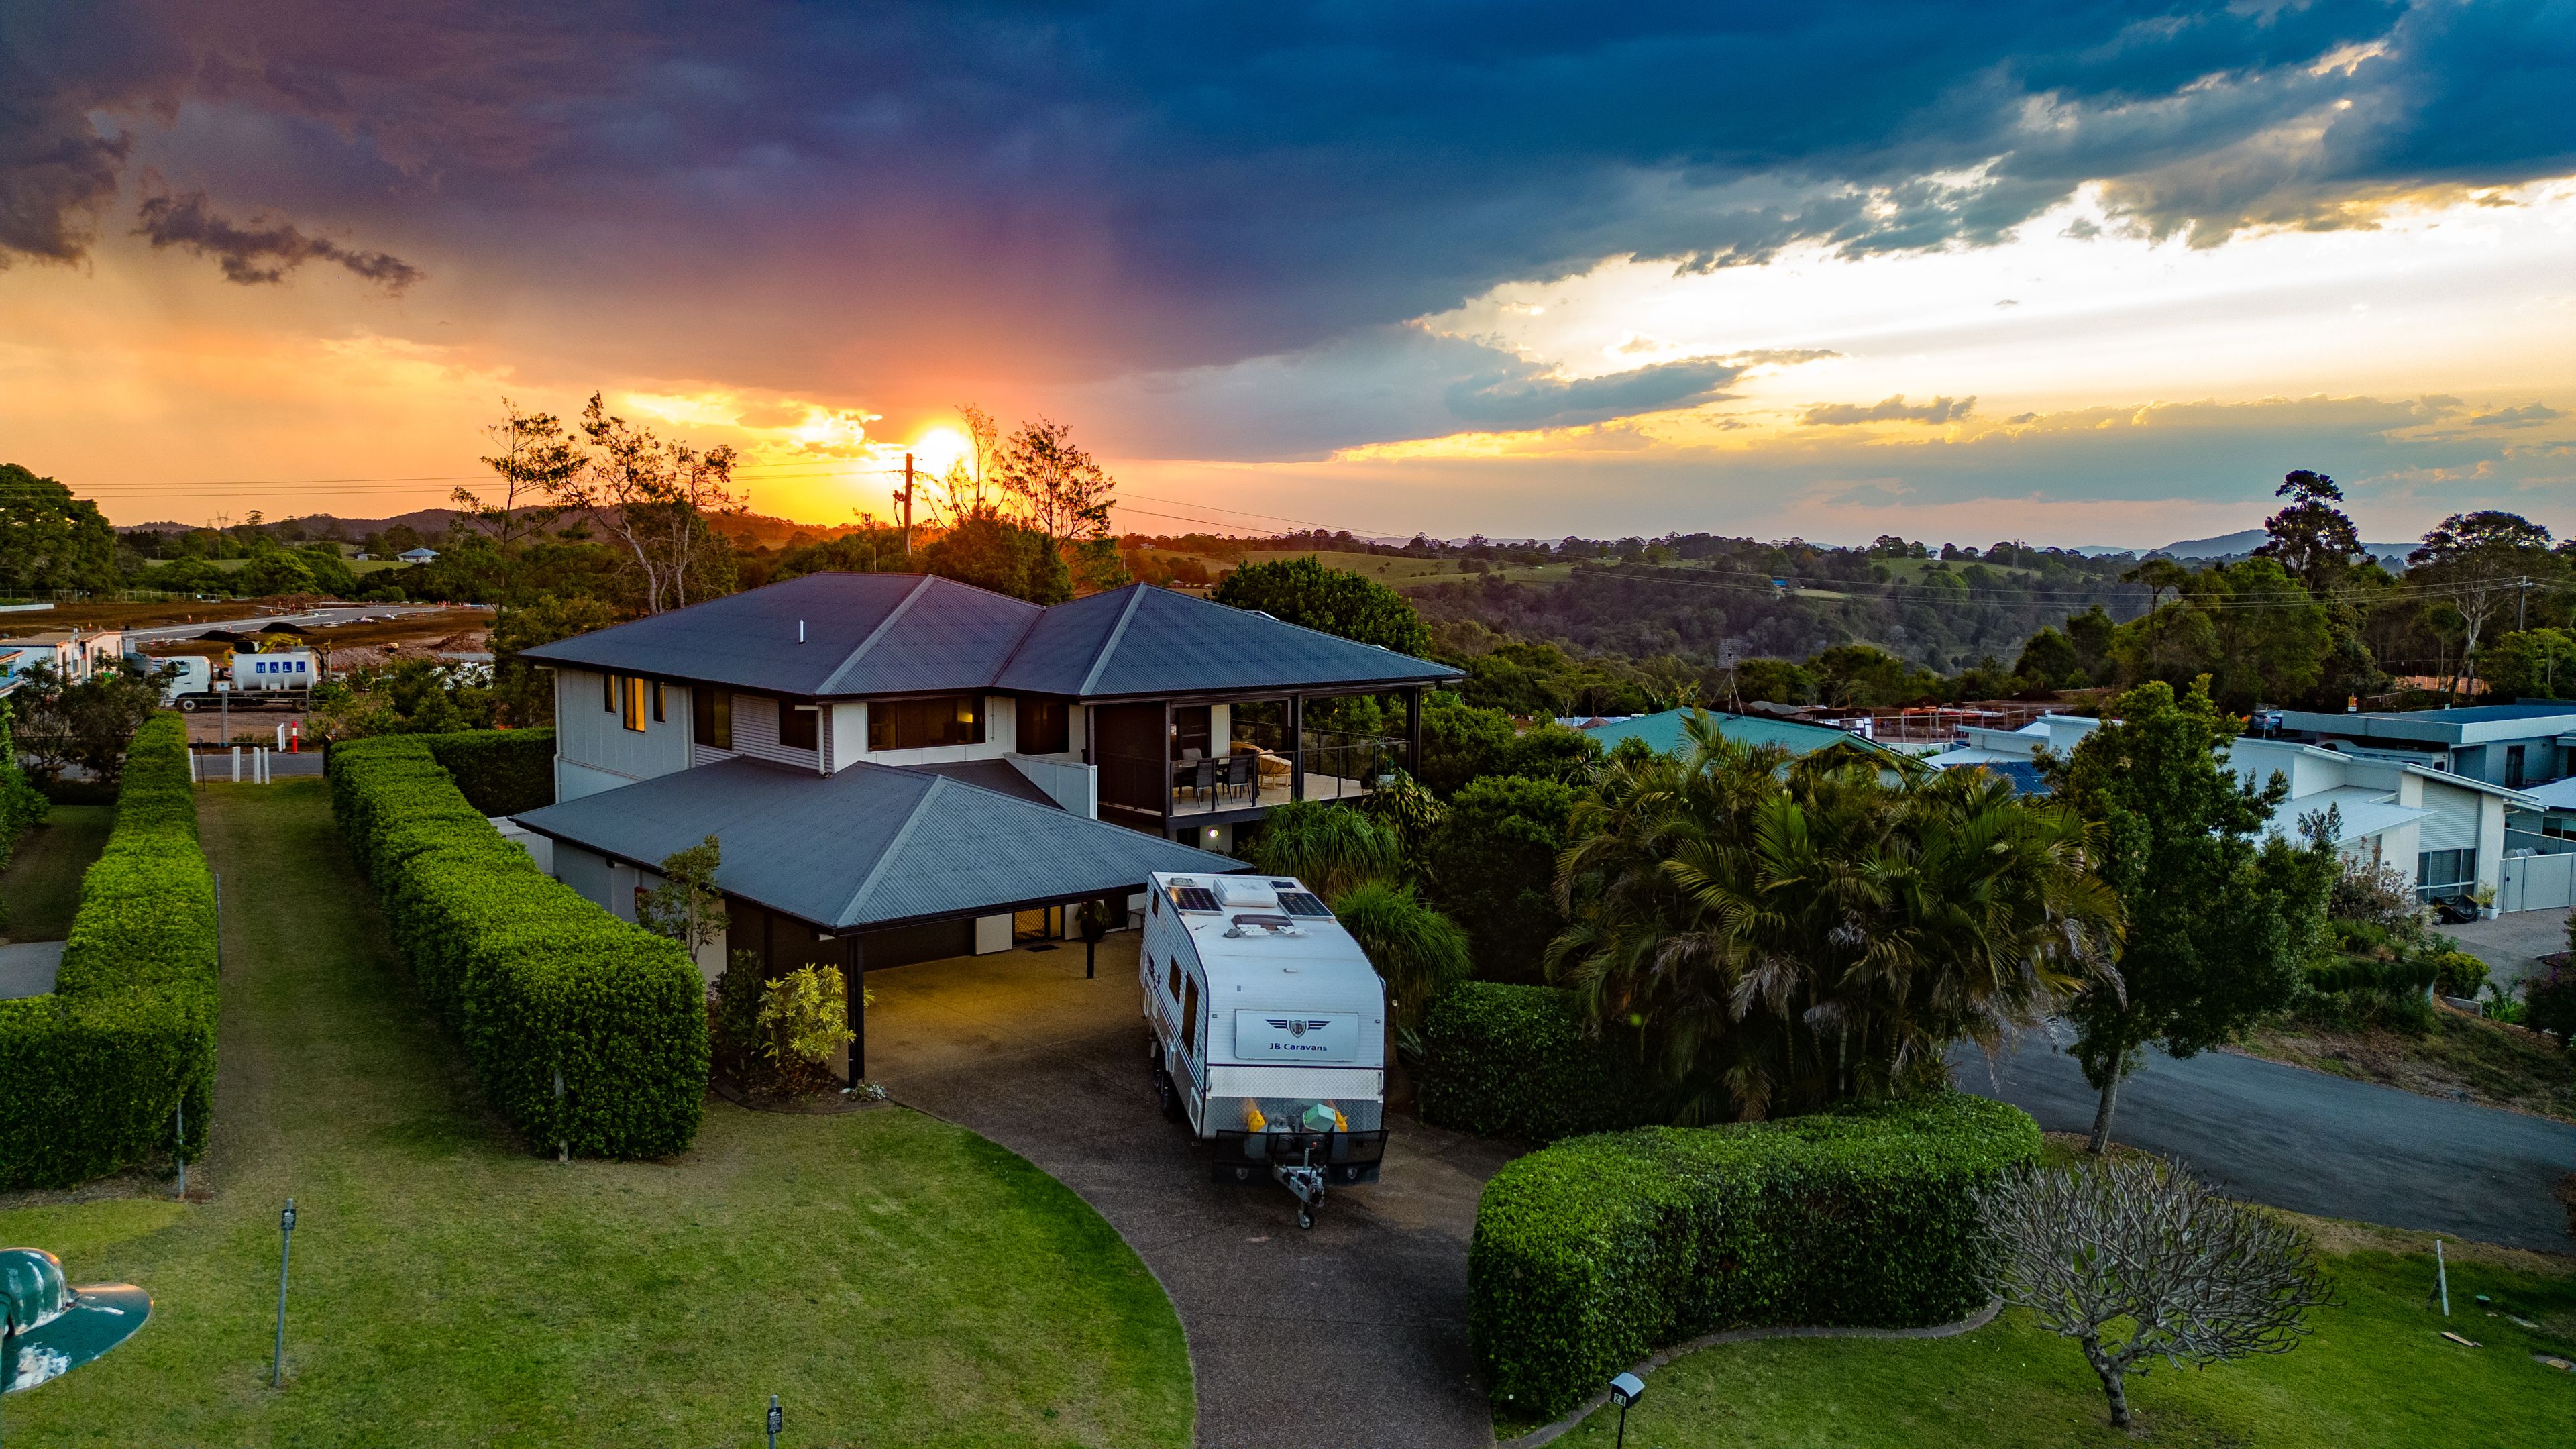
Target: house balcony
<point>1169,766</point>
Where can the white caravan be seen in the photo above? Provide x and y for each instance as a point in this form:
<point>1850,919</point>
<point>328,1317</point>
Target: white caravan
<point>1269,1031</point>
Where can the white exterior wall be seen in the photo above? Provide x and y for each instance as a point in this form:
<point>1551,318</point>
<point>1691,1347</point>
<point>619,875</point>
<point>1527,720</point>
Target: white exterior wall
<point>755,732</point>
<point>992,933</point>
<point>2454,822</point>
<point>1078,730</point>
<point>1067,781</point>
<point>594,750</point>
<point>583,871</point>
<point>847,734</point>
<point>2491,842</point>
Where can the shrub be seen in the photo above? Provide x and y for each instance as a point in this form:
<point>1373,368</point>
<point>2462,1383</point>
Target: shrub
<point>1594,1253</point>
<point>2549,1003</point>
<point>2457,973</point>
<point>502,772</point>
<point>804,1018</point>
<point>1493,859</point>
<point>95,1071</point>
<point>537,982</point>
<point>1517,1061</point>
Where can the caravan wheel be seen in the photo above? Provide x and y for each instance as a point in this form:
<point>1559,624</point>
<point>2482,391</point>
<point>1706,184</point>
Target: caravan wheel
<point>1305,1218</point>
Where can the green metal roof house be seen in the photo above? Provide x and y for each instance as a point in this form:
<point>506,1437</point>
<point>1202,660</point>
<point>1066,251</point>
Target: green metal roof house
<point>1663,733</point>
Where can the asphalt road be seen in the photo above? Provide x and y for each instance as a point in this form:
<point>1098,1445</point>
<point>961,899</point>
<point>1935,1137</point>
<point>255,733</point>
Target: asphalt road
<point>2313,1143</point>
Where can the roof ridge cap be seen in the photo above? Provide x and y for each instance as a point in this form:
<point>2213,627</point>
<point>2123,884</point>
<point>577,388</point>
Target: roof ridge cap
<point>831,680</point>
<point>1109,645</point>
<point>885,857</point>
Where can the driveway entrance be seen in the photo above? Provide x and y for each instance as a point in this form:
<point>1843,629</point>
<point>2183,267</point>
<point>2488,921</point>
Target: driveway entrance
<point>1354,1333</point>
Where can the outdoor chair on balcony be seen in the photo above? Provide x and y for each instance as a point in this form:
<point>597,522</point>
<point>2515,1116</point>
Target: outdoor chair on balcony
<point>1240,774</point>
<point>1199,777</point>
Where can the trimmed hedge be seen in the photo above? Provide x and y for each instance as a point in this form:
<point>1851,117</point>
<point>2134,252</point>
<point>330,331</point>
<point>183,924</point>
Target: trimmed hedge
<point>502,772</point>
<point>530,976</point>
<point>95,1072</point>
<point>1594,1253</point>
<point>1514,1061</point>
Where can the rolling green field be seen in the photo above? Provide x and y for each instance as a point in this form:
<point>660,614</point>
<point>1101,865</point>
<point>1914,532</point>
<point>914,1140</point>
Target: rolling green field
<point>893,1279</point>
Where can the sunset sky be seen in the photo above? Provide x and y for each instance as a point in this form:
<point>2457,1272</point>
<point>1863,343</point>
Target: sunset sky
<point>2075,273</point>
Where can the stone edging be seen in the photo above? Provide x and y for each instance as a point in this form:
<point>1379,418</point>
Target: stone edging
<point>807,1107</point>
<point>1661,1357</point>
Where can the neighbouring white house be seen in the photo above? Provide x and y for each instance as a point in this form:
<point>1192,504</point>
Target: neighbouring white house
<point>904,768</point>
<point>2445,833</point>
<point>75,654</point>
<point>416,555</point>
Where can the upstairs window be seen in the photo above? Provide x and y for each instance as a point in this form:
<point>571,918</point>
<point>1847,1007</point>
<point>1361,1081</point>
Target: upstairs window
<point>797,725</point>
<point>632,694</point>
<point>711,716</point>
<point>1045,726</point>
<point>916,724</point>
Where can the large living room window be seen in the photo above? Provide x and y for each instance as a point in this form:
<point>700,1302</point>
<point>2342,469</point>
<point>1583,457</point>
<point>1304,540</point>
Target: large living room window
<point>798,725</point>
<point>918,724</point>
<point>1045,726</point>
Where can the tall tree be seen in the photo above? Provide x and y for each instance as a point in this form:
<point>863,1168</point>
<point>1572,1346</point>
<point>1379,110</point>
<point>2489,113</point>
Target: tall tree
<point>967,488</point>
<point>1492,861</point>
<point>1062,490</point>
<point>535,457</point>
<point>654,498</point>
<point>1789,933</point>
<point>1336,601</point>
<point>2314,540</point>
<point>2481,564</point>
<point>2219,915</point>
<point>49,539</point>
<point>992,552</point>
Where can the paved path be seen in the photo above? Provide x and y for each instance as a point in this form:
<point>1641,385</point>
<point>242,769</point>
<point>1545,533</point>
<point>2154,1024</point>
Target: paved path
<point>2512,944</point>
<point>1354,1333</point>
<point>2314,1143</point>
<point>27,968</point>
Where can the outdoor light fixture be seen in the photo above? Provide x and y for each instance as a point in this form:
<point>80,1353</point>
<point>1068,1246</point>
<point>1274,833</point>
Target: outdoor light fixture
<point>1626,1389</point>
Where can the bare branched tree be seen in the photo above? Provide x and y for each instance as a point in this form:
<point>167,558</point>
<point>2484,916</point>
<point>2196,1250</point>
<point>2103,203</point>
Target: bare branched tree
<point>966,489</point>
<point>2138,1261</point>
<point>654,498</point>
<point>536,457</point>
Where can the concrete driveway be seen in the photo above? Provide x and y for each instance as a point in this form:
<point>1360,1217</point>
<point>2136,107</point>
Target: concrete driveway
<point>2513,944</point>
<point>2314,1143</point>
<point>1353,1333</point>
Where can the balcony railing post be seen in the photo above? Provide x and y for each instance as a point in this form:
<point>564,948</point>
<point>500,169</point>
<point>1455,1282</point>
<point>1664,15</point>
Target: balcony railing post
<point>1296,747</point>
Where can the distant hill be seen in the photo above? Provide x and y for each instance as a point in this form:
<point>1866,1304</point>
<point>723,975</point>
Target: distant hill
<point>754,529</point>
<point>2243,542</point>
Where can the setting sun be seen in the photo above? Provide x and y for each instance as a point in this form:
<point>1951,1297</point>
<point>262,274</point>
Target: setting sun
<point>936,449</point>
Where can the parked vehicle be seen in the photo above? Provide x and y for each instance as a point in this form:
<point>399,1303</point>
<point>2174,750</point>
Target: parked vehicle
<point>1269,1032</point>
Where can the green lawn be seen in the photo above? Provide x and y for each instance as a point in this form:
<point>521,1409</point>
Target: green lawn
<point>893,1279</point>
<point>41,889</point>
<point>2375,1372</point>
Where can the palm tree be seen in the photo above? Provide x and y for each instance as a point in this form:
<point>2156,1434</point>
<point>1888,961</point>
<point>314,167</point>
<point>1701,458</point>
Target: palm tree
<point>1330,847</point>
<point>1788,933</point>
<point>1417,951</point>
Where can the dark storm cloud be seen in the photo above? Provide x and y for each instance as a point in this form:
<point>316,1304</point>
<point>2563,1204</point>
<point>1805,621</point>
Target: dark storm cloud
<point>263,251</point>
<point>1537,402</point>
<point>1891,410</point>
<point>1113,186</point>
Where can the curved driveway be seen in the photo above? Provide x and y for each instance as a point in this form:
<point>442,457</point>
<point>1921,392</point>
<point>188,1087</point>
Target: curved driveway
<point>2314,1143</point>
<point>1354,1333</point>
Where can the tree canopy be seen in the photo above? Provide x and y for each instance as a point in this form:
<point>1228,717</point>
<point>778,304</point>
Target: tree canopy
<point>1336,601</point>
<point>49,539</point>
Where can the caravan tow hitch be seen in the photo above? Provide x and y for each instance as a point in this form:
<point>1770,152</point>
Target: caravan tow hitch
<point>1305,1181</point>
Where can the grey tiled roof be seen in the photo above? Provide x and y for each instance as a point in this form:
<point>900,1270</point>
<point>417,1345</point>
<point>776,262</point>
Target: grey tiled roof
<point>870,845</point>
<point>883,634</point>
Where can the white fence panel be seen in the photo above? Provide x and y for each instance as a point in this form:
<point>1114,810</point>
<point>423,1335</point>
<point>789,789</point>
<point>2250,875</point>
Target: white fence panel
<point>2538,883</point>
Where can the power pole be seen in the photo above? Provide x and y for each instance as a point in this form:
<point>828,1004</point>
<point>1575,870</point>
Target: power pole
<point>907,505</point>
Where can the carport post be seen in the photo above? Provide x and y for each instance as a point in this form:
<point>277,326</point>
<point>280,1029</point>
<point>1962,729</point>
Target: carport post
<point>854,971</point>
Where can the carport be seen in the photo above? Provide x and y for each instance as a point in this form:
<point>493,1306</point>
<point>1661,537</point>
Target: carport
<point>871,867</point>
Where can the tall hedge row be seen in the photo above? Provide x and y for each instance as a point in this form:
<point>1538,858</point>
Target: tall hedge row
<point>533,979</point>
<point>92,1075</point>
<point>502,772</point>
<point>1593,1253</point>
<point>1516,1061</point>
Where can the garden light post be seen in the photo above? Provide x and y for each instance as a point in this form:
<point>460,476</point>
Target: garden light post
<point>1626,1389</point>
<point>776,1421</point>
<point>286,1250</point>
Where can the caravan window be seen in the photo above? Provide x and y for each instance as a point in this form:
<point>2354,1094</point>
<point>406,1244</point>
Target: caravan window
<point>1175,986</point>
<point>1190,1017</point>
